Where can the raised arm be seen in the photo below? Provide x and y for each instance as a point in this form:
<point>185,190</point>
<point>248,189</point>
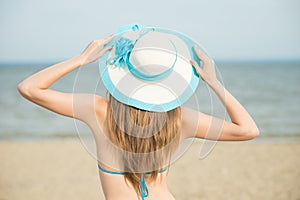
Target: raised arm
<point>36,87</point>
<point>241,126</point>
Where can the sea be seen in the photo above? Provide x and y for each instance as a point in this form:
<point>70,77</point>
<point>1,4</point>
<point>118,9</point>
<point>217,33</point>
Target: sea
<point>270,91</point>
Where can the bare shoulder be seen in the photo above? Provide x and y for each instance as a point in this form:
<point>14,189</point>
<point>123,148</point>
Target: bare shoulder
<point>93,113</point>
<point>100,107</point>
<point>189,122</point>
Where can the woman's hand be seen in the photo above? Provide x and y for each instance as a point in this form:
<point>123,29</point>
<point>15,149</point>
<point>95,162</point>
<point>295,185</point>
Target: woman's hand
<point>95,50</point>
<point>207,72</point>
<point>36,87</point>
<point>241,127</point>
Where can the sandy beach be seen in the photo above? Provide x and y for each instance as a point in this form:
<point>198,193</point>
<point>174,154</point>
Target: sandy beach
<point>233,170</point>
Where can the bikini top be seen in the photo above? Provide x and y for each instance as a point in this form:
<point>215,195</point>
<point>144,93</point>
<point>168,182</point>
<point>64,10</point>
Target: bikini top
<point>143,185</point>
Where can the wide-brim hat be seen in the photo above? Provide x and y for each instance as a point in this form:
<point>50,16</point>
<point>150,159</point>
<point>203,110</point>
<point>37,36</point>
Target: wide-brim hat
<point>149,67</point>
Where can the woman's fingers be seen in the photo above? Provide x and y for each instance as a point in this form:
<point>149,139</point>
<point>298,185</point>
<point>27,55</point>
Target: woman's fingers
<point>201,55</point>
<point>197,67</point>
<point>108,48</point>
<point>108,39</point>
<point>96,49</point>
<point>207,71</point>
<point>103,41</point>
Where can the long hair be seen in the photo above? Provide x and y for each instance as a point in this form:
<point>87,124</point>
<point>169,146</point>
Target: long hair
<point>140,131</point>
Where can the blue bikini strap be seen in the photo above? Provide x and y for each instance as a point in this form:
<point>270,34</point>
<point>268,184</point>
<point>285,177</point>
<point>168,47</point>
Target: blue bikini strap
<point>108,171</point>
<point>143,185</point>
<point>122,173</point>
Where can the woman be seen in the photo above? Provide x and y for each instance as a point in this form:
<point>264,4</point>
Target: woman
<point>108,116</point>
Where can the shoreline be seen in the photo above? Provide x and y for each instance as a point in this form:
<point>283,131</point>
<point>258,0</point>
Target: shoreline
<point>261,139</point>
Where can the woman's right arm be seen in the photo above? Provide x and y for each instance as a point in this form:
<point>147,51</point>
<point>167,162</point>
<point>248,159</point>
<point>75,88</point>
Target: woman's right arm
<point>241,126</point>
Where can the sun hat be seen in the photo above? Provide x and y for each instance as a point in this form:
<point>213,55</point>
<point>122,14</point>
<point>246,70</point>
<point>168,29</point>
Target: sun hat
<point>149,67</point>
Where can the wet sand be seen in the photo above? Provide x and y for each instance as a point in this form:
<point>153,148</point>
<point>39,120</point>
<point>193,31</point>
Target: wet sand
<point>233,170</point>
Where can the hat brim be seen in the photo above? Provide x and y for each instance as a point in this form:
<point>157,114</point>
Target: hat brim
<point>158,96</point>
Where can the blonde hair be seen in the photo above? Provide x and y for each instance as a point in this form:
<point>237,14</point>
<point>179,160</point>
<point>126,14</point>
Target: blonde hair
<point>143,123</point>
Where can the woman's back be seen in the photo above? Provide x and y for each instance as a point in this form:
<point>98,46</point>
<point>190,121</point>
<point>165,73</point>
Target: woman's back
<point>112,180</point>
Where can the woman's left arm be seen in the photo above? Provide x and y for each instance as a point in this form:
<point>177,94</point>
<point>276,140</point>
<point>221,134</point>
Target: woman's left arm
<point>36,87</point>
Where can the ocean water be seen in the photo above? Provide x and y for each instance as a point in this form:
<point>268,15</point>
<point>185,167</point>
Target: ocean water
<point>269,91</point>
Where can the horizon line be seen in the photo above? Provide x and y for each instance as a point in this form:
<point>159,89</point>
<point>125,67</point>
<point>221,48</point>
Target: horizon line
<point>220,61</point>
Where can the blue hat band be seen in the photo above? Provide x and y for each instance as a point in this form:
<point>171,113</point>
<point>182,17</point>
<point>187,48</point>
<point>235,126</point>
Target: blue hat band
<point>124,48</point>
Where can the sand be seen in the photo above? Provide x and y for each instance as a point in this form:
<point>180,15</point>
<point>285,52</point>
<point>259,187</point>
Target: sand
<point>233,170</point>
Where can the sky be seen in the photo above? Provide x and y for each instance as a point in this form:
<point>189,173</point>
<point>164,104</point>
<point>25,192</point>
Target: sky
<point>229,30</point>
